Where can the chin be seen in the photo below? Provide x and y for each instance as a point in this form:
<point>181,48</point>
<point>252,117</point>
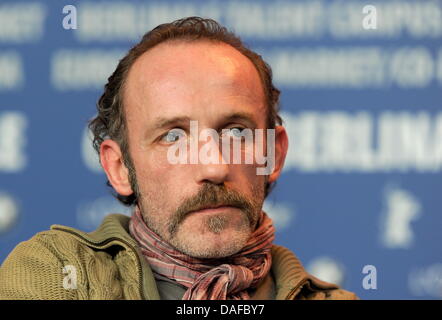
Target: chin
<point>212,245</point>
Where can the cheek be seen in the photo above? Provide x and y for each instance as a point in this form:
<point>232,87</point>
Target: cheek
<point>159,178</point>
<point>158,187</point>
<point>244,178</point>
<point>250,171</point>
<point>153,169</point>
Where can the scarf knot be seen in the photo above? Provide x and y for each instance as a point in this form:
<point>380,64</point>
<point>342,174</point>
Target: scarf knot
<point>208,279</point>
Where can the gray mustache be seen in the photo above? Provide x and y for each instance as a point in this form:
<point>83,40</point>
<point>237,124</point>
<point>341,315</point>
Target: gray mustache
<point>211,195</point>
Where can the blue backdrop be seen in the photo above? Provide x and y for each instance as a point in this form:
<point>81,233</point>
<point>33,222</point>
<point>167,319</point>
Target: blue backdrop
<point>360,197</point>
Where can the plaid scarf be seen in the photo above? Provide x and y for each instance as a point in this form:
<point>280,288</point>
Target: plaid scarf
<point>208,279</point>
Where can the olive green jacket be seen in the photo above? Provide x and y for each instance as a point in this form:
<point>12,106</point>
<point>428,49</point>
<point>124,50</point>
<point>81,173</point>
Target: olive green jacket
<point>65,263</point>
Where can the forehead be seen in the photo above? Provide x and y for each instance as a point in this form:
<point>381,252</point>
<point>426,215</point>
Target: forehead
<point>191,73</point>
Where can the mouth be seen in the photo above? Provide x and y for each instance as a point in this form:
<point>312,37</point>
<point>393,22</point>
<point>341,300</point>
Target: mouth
<point>213,209</point>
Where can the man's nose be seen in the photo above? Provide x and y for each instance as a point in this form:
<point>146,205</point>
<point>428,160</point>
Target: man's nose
<point>212,169</point>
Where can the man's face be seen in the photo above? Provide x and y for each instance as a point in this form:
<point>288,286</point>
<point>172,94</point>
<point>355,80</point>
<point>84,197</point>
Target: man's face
<point>215,85</point>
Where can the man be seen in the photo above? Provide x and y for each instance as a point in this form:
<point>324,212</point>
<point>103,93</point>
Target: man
<point>197,230</point>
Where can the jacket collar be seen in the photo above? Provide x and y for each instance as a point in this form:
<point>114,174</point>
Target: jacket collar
<point>288,272</point>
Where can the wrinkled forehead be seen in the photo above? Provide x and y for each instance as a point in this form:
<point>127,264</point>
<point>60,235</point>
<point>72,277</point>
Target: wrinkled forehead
<point>176,71</point>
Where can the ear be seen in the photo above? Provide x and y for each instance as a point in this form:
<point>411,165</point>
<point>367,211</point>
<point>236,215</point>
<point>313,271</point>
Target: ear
<point>281,147</point>
<point>112,161</point>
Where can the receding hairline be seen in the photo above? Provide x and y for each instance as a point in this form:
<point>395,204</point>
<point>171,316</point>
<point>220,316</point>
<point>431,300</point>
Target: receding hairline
<point>190,40</point>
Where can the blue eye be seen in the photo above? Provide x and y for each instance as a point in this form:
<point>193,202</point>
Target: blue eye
<point>236,132</point>
<point>173,135</point>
